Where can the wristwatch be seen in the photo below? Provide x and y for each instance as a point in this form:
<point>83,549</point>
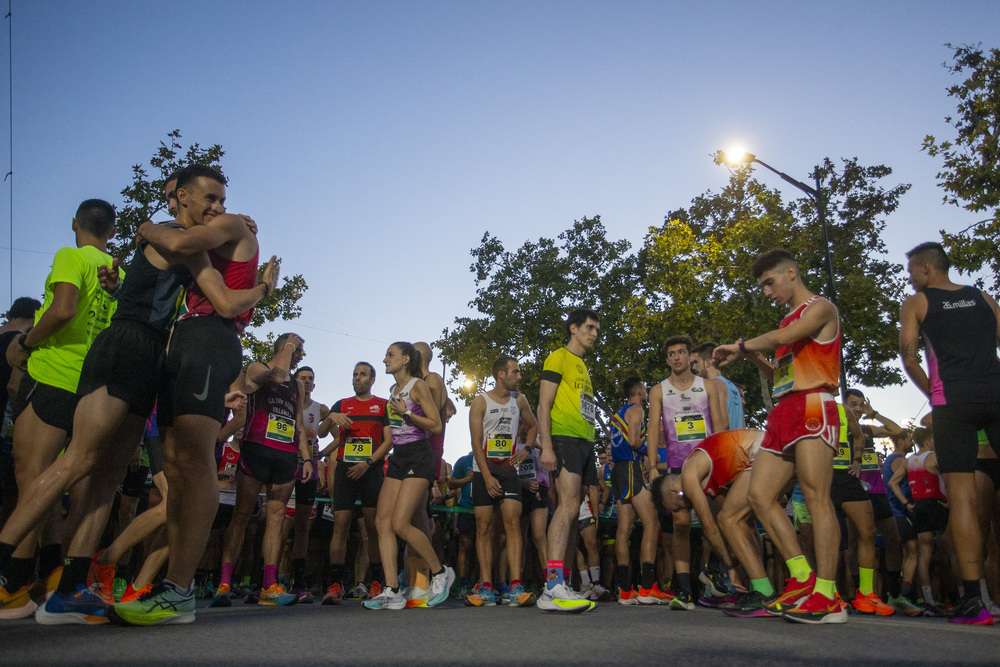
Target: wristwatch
<point>407,415</point>
<point>20,341</point>
<point>369,461</point>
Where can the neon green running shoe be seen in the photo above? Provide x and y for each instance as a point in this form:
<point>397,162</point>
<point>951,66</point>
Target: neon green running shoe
<point>561,598</point>
<point>162,605</point>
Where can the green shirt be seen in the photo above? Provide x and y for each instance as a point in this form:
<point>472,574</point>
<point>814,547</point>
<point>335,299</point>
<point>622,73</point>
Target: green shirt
<point>573,410</point>
<point>58,360</point>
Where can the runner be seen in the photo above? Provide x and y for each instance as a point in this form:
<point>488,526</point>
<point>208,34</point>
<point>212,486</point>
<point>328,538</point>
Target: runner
<point>894,477</point>
<point>465,522</point>
<point>494,417</point>
<point>566,416</point>
<point>360,426</point>
<point>802,432</point>
<point>702,366</point>
<point>687,408</point>
<point>412,415</point>
<point>960,326</point>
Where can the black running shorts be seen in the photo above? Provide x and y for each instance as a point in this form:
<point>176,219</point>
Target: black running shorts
<point>880,506</point>
<point>267,464</point>
<point>511,487</point>
<point>929,515</point>
<point>577,456</point>
<point>846,488</point>
<point>627,480</point>
<point>347,491</point>
<point>54,406</point>
<point>907,531</point>
<point>412,460</point>
<point>956,439</point>
<point>127,359</point>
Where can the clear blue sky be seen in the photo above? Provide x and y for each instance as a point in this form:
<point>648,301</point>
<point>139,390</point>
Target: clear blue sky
<point>375,142</point>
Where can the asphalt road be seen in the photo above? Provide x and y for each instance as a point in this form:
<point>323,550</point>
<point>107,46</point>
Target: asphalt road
<point>451,634</point>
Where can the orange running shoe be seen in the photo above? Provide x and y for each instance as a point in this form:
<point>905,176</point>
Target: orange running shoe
<point>628,597</point>
<point>104,578</point>
<point>794,591</point>
<point>816,609</point>
<point>654,595</point>
<point>131,594</point>
<point>375,590</point>
<point>870,604</point>
<point>334,595</point>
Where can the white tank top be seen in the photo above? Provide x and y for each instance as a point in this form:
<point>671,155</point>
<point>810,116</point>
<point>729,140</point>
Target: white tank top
<point>311,418</point>
<point>500,425</point>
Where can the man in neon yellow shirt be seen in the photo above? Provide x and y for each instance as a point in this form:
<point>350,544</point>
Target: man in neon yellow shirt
<point>74,311</point>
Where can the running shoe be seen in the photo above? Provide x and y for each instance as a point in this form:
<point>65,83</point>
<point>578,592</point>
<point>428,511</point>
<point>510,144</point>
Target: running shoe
<point>714,601</point>
<point>795,591</point>
<point>440,585</point>
<point>970,612</point>
<point>82,607</point>
<point>903,605</point>
<point>253,596</point>
<point>276,596</point>
<point>870,604</point>
<point>654,595</point>
<point>482,596</point>
<point>816,609</point>
<point>222,597</point>
<point>132,594</point>
<point>16,604</point>
<point>118,590</point>
<point>750,605</point>
<point>359,592</point>
<point>161,605</point>
<point>843,605</point>
<point>303,595</point>
<point>460,589</point>
<point>629,597</point>
<point>561,598</point>
<point>503,593</point>
<point>930,611</point>
<point>207,590</point>
<point>415,597</point>
<point>334,595</point>
<point>101,579</point>
<point>683,601</point>
<point>993,609</point>
<point>520,597</point>
<point>586,590</point>
<point>373,590</point>
<point>42,589</point>
<point>715,582</point>
<point>599,593</point>
<point>387,599</point>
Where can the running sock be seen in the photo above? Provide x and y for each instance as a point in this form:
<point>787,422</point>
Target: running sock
<point>171,586</point>
<point>74,574</point>
<point>971,590</point>
<point>928,597</point>
<point>270,576</point>
<point>906,589</point>
<point>984,591</point>
<point>584,577</point>
<point>553,574</point>
<point>49,558</point>
<point>798,568</point>
<point>19,572</point>
<point>514,583</point>
<point>227,574</point>
<point>825,587</point>
<point>623,578</point>
<point>486,585</point>
<point>299,571</point>
<point>684,581</point>
<point>335,575</point>
<point>762,586</point>
<point>595,574</point>
<point>866,576</point>
<point>894,582</point>
<point>440,570</point>
<point>567,575</point>
<point>647,575</point>
<point>6,553</point>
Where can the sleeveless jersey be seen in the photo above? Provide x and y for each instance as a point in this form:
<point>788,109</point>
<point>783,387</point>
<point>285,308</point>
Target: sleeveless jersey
<point>734,403</point>
<point>368,421</point>
<point>237,275</point>
<point>731,453</point>
<point>405,432</point>
<point>150,295</point>
<point>500,424</point>
<point>806,363</point>
<point>871,471</point>
<point>923,484</point>
<point>960,332</point>
<point>271,416</point>
<point>620,449</point>
<point>842,459</point>
<point>573,410</point>
<point>904,486</point>
<point>311,418</point>
<point>686,420</point>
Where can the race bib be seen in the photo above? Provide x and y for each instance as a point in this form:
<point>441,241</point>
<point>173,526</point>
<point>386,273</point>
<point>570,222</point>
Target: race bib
<point>395,419</point>
<point>499,446</point>
<point>842,461</point>
<point>280,429</point>
<point>527,469</point>
<point>869,461</point>
<point>587,407</point>
<point>357,449</point>
<point>690,427</point>
<point>784,375</point>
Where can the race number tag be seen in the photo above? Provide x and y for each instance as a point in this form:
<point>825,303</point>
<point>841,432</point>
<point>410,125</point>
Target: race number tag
<point>842,461</point>
<point>869,461</point>
<point>499,446</point>
<point>690,427</point>
<point>784,375</point>
<point>357,449</point>
<point>587,407</point>
<point>395,419</point>
<point>527,469</point>
<point>280,429</point>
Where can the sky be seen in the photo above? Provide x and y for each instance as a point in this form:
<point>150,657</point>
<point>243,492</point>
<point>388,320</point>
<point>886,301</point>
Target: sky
<point>376,142</point>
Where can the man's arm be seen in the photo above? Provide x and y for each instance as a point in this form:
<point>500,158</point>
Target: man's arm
<point>438,392</point>
<point>909,338</point>
<point>476,413</point>
<point>220,230</point>
<point>717,405</point>
<point>691,484</point>
<point>546,396</point>
<point>887,429</point>
<point>259,374</point>
<point>527,418</point>
<point>57,315</point>
<point>857,441</point>
<point>654,430</point>
<point>228,302</point>
<point>898,474</point>
<point>633,422</point>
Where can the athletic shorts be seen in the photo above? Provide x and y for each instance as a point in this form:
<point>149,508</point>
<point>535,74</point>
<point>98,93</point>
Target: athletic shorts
<point>154,450</point>
<point>347,491</point>
<point>956,440</point>
<point>126,358</point>
<point>414,460</point>
<point>627,480</point>
<point>135,481</point>
<point>267,464</point>
<point>846,488</point>
<point>929,515</point>
<point>466,523</point>
<point>204,359</point>
<point>800,514</point>
<point>990,468</point>
<point>804,414</point>
<point>54,406</point>
<point>305,492</point>
<point>880,506</point>
<point>584,524</point>
<point>907,531</point>
<point>539,500</point>
<point>575,455</point>
<point>511,487</point>
<point>8,482</point>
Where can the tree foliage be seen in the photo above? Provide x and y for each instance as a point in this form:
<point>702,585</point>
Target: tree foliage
<point>143,198</point>
<point>970,175</point>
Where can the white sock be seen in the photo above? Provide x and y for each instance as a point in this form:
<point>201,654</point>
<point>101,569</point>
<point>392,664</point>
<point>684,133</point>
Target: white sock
<point>985,592</point>
<point>595,574</point>
<point>928,598</point>
<point>584,577</point>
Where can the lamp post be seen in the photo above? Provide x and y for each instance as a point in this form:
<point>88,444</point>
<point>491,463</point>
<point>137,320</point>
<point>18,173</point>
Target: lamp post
<point>741,157</point>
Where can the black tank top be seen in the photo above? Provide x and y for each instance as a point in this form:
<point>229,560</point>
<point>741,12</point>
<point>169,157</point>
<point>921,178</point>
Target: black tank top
<point>961,335</point>
<point>150,295</point>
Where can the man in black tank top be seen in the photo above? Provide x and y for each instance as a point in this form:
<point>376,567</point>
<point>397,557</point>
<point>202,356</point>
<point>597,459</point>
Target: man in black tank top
<point>960,326</point>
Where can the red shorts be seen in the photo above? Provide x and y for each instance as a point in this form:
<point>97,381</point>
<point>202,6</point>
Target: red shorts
<point>804,414</point>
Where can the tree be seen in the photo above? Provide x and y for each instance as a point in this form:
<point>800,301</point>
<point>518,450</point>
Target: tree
<point>970,176</point>
<point>144,198</point>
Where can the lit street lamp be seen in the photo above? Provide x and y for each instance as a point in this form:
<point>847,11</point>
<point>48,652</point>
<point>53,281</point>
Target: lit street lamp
<point>742,157</point>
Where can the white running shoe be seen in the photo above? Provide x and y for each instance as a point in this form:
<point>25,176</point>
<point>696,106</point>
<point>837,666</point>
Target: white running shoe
<point>440,586</point>
<point>563,598</point>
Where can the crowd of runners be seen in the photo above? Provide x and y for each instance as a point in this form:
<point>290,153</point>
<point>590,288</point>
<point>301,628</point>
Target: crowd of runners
<point>261,494</point>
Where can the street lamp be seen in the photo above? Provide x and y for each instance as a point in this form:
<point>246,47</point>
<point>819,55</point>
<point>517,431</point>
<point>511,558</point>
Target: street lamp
<point>739,156</point>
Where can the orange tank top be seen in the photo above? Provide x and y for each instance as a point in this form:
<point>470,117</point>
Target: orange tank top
<point>807,363</point>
